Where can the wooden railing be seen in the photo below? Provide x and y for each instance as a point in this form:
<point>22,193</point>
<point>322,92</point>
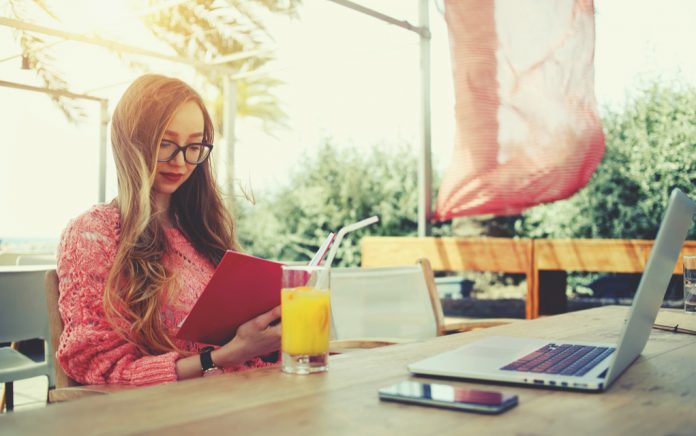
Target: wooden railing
<point>539,260</point>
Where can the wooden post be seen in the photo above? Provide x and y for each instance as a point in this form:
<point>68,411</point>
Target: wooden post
<point>552,297</point>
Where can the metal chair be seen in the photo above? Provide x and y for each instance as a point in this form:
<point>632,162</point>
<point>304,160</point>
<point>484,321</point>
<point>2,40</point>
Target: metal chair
<point>65,388</point>
<point>36,259</point>
<point>373,307</point>
<point>392,303</point>
<point>23,316</point>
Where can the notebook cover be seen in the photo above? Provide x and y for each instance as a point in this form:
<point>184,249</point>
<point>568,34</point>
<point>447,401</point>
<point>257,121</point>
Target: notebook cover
<point>241,288</point>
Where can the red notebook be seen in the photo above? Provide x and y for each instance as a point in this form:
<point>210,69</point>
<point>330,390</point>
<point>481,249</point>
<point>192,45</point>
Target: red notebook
<point>242,287</point>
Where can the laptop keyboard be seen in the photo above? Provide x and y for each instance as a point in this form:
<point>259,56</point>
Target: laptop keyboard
<point>562,359</point>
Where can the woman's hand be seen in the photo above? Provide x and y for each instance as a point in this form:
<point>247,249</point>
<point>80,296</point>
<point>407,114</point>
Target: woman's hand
<point>255,337</point>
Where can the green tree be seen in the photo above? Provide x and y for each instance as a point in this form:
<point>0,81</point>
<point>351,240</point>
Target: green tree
<point>333,187</point>
<point>195,29</point>
<point>221,30</point>
<point>651,149</point>
<point>36,56</point>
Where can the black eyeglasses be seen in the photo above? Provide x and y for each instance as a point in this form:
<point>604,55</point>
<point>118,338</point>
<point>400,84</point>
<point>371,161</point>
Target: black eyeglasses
<point>194,154</point>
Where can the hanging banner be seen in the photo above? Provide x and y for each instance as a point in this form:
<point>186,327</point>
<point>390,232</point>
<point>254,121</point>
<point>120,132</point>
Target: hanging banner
<point>527,127</point>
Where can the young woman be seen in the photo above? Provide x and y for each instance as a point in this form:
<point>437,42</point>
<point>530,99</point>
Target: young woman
<point>131,270</point>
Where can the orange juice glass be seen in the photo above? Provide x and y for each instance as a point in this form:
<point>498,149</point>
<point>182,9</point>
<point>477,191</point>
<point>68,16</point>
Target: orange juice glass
<point>306,317</point>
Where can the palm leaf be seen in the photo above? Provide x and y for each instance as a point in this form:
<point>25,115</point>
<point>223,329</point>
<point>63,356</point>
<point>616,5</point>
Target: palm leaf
<point>40,60</point>
<point>208,29</point>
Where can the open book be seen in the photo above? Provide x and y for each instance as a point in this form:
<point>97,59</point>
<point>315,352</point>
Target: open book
<point>242,287</point>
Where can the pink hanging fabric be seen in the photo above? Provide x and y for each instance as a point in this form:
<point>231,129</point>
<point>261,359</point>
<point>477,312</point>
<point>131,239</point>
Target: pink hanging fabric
<point>527,128</point>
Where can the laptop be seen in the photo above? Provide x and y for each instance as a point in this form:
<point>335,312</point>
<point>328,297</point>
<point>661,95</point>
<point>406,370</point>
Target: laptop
<point>584,366</point>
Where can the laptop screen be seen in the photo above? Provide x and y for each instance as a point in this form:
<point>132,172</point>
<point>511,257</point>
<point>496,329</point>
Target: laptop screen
<point>653,283</point>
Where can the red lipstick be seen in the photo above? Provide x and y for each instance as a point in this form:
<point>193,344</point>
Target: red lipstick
<point>172,177</point>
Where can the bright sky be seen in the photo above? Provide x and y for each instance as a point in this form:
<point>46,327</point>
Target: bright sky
<point>348,77</point>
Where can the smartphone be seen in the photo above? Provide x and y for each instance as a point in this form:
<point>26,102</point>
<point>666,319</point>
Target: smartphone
<point>448,396</point>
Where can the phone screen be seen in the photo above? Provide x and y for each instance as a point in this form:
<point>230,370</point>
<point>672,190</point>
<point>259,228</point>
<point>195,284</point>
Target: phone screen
<point>444,395</point>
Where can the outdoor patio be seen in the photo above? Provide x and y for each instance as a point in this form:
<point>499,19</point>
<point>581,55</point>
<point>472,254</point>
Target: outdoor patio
<point>282,216</point>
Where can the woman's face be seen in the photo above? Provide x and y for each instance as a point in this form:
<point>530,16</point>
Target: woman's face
<point>186,127</point>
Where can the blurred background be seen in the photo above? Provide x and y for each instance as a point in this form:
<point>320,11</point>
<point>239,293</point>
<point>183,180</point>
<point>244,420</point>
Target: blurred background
<point>327,118</point>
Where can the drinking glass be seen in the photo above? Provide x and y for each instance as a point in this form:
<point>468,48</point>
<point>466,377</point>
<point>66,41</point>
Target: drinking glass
<point>306,315</point>
<point>690,284</point>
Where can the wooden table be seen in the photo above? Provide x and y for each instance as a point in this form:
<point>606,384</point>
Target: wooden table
<point>656,395</point>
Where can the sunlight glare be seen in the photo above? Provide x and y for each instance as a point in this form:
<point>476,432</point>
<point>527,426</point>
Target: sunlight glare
<point>101,17</point>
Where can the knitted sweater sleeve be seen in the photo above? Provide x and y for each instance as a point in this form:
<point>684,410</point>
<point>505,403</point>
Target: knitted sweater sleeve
<point>90,350</point>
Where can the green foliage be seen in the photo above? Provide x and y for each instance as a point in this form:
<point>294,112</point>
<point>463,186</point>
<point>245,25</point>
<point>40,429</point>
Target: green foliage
<point>334,187</point>
<point>37,57</point>
<point>206,30</point>
<point>650,149</point>
<point>220,31</point>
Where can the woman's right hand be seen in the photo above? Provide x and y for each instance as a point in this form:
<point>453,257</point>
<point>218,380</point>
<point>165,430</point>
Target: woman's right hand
<point>255,337</point>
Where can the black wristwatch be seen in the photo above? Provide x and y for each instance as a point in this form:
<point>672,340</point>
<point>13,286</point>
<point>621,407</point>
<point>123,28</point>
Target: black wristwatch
<point>207,360</point>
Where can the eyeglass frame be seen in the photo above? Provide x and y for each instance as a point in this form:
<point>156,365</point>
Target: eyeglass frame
<point>182,149</point>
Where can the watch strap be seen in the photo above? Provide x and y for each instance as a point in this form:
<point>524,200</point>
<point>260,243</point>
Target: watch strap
<point>207,359</point>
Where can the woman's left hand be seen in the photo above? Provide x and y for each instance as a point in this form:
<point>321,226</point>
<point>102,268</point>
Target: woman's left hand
<point>255,337</point>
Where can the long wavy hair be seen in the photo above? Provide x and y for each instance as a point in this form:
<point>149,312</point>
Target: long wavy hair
<point>138,281</point>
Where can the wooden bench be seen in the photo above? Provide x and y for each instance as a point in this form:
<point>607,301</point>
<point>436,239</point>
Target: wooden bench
<point>585,255</point>
<point>544,262</point>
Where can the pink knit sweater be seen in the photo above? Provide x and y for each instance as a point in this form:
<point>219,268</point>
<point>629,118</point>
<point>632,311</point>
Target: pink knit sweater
<point>90,350</point>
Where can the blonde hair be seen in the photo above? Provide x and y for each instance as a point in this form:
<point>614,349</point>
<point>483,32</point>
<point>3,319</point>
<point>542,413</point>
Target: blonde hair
<point>137,281</point>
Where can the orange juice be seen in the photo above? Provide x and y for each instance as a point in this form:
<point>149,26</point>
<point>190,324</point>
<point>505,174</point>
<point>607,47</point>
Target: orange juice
<point>305,314</point>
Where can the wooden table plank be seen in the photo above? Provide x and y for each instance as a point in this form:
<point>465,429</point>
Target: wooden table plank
<point>652,397</point>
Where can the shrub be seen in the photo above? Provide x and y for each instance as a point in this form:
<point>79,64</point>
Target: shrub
<point>651,149</point>
<point>333,187</point>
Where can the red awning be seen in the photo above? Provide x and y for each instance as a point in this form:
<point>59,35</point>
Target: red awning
<point>528,131</point>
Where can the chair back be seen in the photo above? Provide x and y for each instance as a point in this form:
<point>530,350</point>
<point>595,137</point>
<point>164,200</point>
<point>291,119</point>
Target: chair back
<point>55,324</point>
<point>36,259</point>
<point>385,302</point>
<point>23,309</point>
<point>23,312</point>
